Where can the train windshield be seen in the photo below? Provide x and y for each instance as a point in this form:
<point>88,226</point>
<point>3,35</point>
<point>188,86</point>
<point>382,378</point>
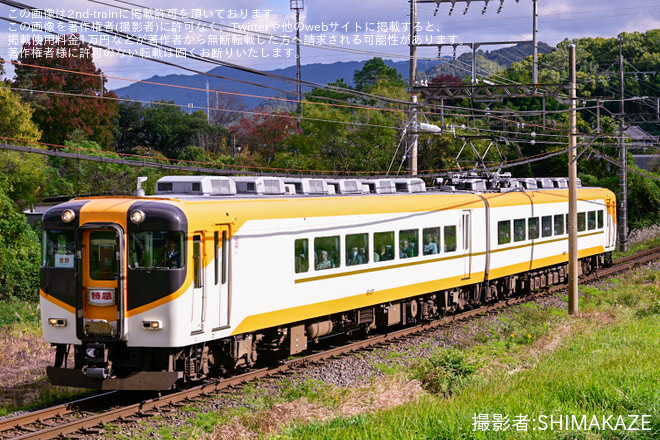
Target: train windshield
<point>58,249</point>
<point>103,256</point>
<point>156,250</point>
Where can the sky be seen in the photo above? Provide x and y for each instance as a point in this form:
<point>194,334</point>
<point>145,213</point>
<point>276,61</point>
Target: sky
<point>260,34</point>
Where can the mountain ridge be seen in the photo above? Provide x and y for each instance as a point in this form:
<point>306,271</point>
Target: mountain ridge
<point>256,90</point>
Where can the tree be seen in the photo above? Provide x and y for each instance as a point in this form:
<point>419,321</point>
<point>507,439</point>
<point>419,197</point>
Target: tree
<point>22,181</point>
<point>19,252</point>
<point>264,133</point>
<point>163,126</point>
<point>66,90</point>
<point>226,108</point>
<point>373,71</point>
<point>26,175</point>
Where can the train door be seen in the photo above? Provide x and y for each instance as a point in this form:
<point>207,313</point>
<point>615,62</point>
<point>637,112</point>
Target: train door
<point>466,223</point>
<point>221,241</point>
<point>611,226</point>
<point>101,294</point>
<point>199,283</point>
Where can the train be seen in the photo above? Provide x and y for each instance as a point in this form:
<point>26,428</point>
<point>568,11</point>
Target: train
<point>212,273</point>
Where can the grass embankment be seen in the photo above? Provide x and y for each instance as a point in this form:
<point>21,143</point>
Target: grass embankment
<point>23,359</point>
<point>541,375</point>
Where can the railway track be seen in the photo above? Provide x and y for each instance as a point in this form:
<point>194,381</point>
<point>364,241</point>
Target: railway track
<point>88,415</point>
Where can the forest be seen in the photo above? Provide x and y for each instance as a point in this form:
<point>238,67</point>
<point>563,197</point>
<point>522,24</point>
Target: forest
<point>62,104</point>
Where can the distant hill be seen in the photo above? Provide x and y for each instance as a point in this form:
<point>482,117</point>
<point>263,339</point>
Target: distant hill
<point>224,78</point>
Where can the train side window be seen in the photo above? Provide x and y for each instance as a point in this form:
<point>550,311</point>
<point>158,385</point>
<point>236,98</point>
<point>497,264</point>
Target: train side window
<point>357,249</point>
<point>582,221</point>
<point>197,261</point>
<point>450,238</point>
<point>546,226</point>
<point>533,228</point>
<point>559,224</point>
<point>519,229</point>
<point>326,252</point>
<point>600,219</point>
<point>225,253</point>
<point>504,232</point>
<point>408,243</point>
<point>216,253</point>
<point>591,220</point>
<point>431,240</point>
<point>301,255</point>
<point>383,246</point>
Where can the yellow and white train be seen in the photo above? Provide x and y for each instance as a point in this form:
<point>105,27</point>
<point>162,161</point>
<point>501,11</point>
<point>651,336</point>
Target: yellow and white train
<point>197,280</point>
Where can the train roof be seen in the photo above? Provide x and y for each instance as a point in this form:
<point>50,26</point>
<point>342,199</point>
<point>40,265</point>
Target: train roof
<point>259,186</point>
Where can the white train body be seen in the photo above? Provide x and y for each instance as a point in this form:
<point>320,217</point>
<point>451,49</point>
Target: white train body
<point>262,273</point>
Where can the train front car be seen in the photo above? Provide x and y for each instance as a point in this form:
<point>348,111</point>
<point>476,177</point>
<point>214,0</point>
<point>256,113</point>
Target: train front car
<point>105,262</point>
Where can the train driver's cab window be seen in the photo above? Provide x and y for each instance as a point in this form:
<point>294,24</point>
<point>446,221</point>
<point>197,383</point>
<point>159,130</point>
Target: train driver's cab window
<point>504,232</point>
<point>431,238</point>
<point>58,249</point>
<point>383,246</point>
<point>450,238</point>
<point>533,228</point>
<point>546,226</point>
<point>156,250</point>
<point>301,255</point>
<point>591,220</point>
<point>519,229</point>
<point>600,219</point>
<point>326,252</point>
<point>103,251</point>
<point>582,221</point>
<point>559,224</point>
<point>357,249</point>
<point>408,243</point>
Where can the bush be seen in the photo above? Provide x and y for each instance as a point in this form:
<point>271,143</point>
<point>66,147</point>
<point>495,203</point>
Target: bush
<point>19,254</point>
<point>444,372</point>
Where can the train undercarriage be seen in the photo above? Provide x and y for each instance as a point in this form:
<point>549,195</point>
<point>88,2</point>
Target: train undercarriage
<point>113,365</point>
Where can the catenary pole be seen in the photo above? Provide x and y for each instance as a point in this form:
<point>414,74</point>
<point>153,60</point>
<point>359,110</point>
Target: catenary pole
<point>573,272</point>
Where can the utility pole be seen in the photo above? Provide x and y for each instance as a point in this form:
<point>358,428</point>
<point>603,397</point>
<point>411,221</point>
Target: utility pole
<point>208,103</point>
<point>413,135</point>
<point>573,273</point>
<point>298,5</point>
<point>623,160</point>
<point>535,44</point>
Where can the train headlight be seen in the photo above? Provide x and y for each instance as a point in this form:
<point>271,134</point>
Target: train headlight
<point>57,322</point>
<point>137,216</point>
<point>152,325</point>
<point>68,216</point>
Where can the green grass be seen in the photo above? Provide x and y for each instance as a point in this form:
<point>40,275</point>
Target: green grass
<point>14,311</point>
<point>606,364</point>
